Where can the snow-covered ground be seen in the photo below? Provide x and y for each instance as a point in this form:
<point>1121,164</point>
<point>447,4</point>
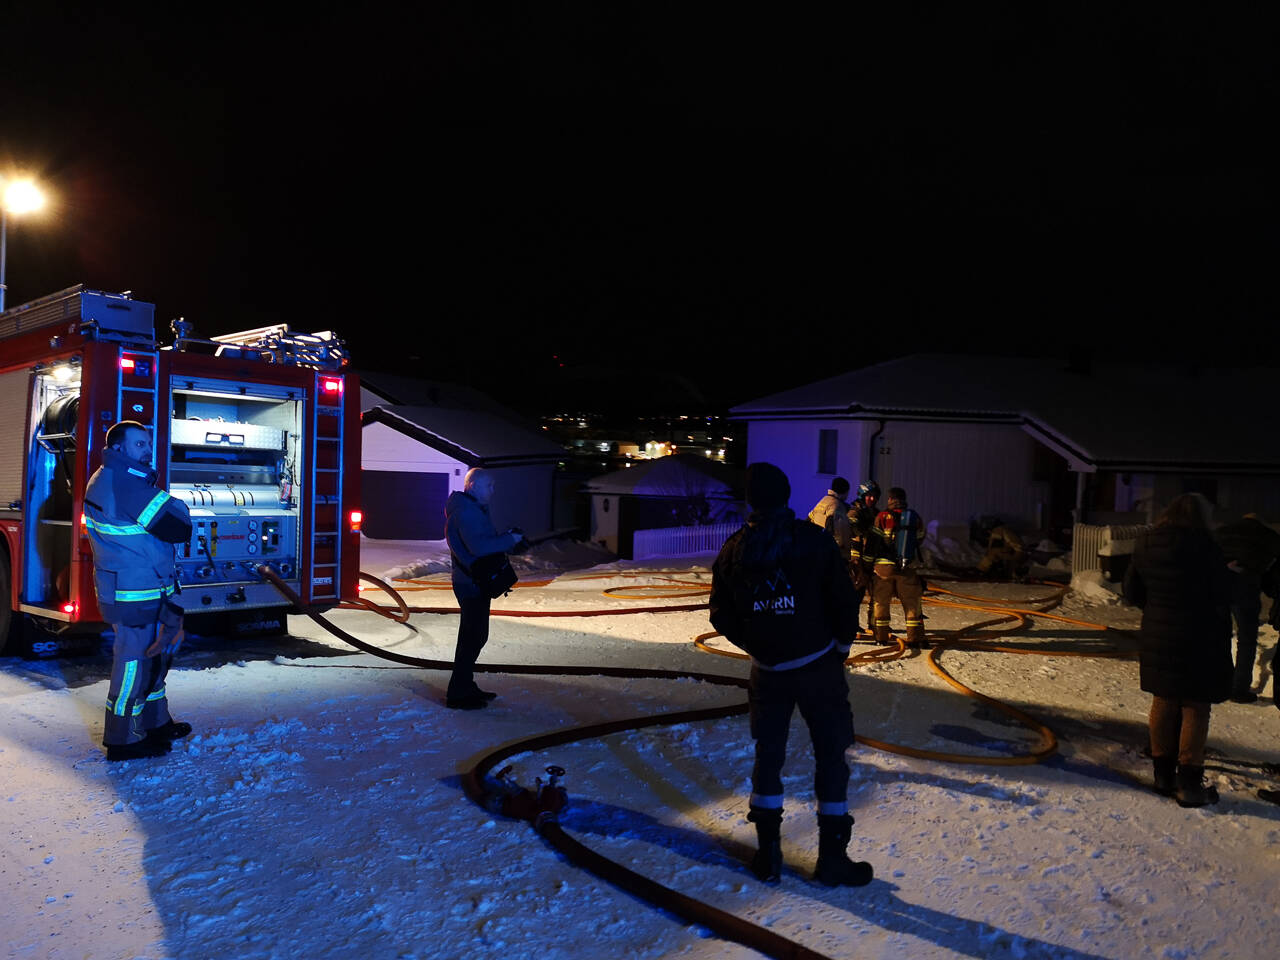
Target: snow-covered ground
<point>317,811</point>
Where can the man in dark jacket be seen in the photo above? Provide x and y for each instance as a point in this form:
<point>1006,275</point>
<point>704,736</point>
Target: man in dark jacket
<point>133,527</point>
<point>1251,548</point>
<point>781,591</point>
<point>470,535</point>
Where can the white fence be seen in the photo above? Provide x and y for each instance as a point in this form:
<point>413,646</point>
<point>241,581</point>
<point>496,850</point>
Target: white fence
<point>1090,542</point>
<point>681,541</point>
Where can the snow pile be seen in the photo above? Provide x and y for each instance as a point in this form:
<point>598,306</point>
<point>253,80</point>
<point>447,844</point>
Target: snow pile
<point>1092,587</point>
<point>949,546</point>
<point>414,559</point>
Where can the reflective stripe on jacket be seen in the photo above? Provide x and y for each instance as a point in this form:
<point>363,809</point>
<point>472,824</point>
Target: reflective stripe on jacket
<point>132,527</point>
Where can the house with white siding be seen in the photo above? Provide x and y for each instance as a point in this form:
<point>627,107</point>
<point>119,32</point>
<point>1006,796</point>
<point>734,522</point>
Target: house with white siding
<point>1036,442</point>
<point>685,489</point>
<point>418,440</point>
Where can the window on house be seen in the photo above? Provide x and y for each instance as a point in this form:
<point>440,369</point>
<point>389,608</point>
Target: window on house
<point>827,451</point>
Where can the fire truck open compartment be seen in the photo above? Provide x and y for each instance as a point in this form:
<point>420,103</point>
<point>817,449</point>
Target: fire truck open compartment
<point>235,458</point>
<point>254,431</point>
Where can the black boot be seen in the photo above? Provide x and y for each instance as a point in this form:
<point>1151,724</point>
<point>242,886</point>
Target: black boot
<point>835,869</point>
<point>173,730</point>
<point>138,750</point>
<point>1166,782</point>
<point>1192,790</point>
<point>767,863</point>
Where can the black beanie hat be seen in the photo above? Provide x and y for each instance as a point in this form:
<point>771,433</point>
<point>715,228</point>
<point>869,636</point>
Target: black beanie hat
<point>767,487</point>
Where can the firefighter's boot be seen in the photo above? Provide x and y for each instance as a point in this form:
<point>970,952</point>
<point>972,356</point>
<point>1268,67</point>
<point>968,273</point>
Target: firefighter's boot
<point>835,869</point>
<point>915,636</point>
<point>767,862</point>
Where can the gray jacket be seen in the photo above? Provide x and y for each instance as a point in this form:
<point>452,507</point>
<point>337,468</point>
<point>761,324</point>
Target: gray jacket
<point>470,535</point>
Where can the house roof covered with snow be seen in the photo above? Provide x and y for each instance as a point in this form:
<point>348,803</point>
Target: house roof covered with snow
<point>387,389</point>
<point>680,475</point>
<point>1112,415</point>
<point>456,420</point>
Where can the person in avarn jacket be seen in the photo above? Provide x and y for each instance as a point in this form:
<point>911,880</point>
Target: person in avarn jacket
<point>470,535</point>
<point>133,527</point>
<point>1179,577</point>
<point>1251,549</point>
<point>780,590</point>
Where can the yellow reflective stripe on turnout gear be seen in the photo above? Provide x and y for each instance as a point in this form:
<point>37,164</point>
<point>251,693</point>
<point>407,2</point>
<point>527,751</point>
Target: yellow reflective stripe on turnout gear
<point>126,687</point>
<point>138,596</point>
<point>115,530</point>
<point>151,509</point>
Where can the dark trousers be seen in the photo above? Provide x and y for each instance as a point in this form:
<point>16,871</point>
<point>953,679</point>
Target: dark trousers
<point>821,691</point>
<point>860,594</point>
<point>473,633</point>
<point>1179,728</point>
<point>1246,608</point>
<point>136,699</point>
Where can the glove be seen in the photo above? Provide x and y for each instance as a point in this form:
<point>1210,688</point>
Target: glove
<point>170,648</point>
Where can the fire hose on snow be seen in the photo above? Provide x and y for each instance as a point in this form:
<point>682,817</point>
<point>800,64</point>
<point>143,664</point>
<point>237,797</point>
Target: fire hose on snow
<point>542,805</point>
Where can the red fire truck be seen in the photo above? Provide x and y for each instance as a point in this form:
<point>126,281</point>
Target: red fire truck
<point>259,432</point>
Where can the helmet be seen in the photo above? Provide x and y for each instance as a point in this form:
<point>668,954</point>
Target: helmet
<point>868,488</point>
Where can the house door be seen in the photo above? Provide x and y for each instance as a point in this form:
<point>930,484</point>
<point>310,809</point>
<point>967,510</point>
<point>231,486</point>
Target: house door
<point>404,506</point>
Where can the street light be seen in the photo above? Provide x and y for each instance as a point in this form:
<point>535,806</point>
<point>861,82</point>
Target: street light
<point>20,196</point>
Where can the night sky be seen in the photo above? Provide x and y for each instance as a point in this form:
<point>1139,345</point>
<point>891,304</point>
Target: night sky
<point>682,209</point>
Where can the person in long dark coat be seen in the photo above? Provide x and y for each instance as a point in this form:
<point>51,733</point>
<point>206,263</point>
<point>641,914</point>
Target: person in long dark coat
<point>1179,577</point>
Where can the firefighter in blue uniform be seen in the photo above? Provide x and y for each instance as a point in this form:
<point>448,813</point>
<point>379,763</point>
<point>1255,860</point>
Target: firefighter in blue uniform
<point>901,530</point>
<point>133,527</point>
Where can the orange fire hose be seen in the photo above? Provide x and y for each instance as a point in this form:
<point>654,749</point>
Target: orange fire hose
<point>724,924</point>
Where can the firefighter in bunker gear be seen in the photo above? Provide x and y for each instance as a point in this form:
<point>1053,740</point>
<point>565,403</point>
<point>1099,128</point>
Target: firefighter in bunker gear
<point>133,527</point>
<point>865,544</point>
<point>1006,556</point>
<point>900,530</point>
